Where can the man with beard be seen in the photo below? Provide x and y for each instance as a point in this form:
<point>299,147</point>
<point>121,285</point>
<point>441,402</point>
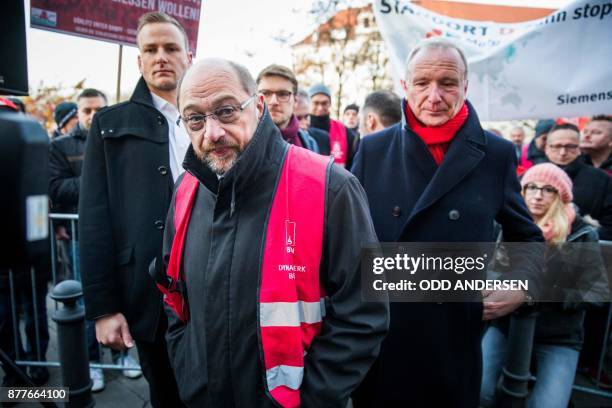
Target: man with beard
<point>341,143</point>
<point>133,156</point>
<point>279,87</point>
<point>444,179</point>
<point>262,248</point>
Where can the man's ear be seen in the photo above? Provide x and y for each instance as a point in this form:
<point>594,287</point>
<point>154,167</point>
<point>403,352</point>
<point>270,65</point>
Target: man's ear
<point>404,85</point>
<point>260,103</point>
<point>140,64</point>
<point>371,122</point>
<point>190,57</point>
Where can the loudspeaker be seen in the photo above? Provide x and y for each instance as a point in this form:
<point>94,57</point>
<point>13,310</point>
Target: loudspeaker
<point>13,55</point>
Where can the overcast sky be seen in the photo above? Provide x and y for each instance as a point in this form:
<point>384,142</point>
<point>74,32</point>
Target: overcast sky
<point>240,30</point>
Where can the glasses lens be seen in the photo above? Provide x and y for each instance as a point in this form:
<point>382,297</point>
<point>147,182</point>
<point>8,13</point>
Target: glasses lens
<point>226,114</point>
<point>549,190</point>
<point>195,122</point>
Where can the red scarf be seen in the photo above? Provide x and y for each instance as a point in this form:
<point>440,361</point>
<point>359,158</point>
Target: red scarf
<point>290,133</point>
<point>437,138</point>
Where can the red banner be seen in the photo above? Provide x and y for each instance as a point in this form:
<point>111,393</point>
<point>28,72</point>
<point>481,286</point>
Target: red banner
<point>111,20</point>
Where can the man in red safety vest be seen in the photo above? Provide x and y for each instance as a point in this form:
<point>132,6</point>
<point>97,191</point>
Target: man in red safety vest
<point>342,143</point>
<point>261,254</point>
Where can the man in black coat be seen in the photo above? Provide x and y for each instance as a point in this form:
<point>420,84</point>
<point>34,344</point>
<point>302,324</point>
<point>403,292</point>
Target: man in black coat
<point>592,187</point>
<point>596,143</point>
<point>66,154</point>
<point>439,177</point>
<point>134,153</point>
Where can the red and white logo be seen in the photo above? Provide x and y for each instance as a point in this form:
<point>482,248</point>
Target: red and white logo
<point>336,151</point>
<point>289,233</point>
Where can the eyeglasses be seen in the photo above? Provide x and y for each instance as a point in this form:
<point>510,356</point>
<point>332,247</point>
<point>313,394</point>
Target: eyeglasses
<point>225,115</point>
<point>302,117</point>
<point>568,147</point>
<point>281,96</point>
<point>547,191</point>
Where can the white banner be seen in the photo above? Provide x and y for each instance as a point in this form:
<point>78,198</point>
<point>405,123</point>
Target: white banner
<point>557,66</point>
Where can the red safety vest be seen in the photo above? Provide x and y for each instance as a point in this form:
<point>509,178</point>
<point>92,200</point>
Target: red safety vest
<point>291,299</point>
<point>338,142</point>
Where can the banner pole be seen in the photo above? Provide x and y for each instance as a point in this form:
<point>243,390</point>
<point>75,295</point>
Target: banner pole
<point>119,73</point>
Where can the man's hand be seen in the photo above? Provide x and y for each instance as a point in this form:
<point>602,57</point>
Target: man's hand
<point>113,331</point>
<point>498,303</point>
<point>61,234</point>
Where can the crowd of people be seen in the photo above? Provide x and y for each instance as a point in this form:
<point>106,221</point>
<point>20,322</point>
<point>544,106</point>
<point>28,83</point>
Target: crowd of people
<point>222,218</point>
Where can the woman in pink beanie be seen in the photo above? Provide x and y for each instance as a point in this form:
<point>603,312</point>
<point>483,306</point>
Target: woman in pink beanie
<point>573,276</point>
<point>547,191</point>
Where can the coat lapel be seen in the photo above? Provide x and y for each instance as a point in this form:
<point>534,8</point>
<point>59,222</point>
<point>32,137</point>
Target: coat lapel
<point>464,154</point>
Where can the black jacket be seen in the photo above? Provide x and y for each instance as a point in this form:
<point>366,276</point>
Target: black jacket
<point>592,194</point>
<point>215,355</point>
<point>431,356</point>
<point>322,123</point>
<point>574,278</point>
<point>65,165</point>
<point>605,166</point>
<point>125,193</point>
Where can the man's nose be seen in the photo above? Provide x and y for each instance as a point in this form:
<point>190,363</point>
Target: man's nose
<point>433,95</point>
<point>161,56</point>
<point>213,129</point>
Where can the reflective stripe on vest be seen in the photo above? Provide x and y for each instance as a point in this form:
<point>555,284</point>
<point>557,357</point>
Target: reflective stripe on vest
<point>291,300</point>
<point>338,142</point>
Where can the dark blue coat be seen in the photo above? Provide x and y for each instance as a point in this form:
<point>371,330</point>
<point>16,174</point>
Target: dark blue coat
<point>432,355</point>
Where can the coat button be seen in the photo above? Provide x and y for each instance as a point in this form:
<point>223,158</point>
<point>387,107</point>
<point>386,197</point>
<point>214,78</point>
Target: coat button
<point>159,225</point>
<point>111,130</point>
<point>396,212</point>
<point>163,170</point>
<point>453,215</point>
<point>103,132</point>
<point>160,120</point>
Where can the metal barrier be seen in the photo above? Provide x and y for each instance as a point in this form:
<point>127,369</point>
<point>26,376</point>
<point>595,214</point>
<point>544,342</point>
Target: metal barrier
<point>58,254</point>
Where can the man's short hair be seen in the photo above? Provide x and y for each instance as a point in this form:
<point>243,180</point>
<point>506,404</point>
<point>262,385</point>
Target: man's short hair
<point>245,77</point>
<point>352,106</point>
<point>281,71</point>
<point>303,97</point>
<point>92,93</point>
<point>435,43</point>
<point>565,126</point>
<point>387,105</point>
<point>161,17</point>
<point>602,118</point>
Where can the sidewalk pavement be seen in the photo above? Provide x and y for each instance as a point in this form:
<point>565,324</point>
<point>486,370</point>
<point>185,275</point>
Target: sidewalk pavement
<point>119,392</point>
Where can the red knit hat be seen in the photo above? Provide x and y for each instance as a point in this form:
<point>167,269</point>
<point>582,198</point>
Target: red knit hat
<point>550,174</point>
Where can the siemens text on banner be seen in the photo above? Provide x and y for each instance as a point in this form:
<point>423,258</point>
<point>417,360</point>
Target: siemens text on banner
<point>551,67</point>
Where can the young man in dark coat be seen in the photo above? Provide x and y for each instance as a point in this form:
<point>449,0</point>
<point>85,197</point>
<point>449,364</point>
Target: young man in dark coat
<point>444,179</point>
<point>596,143</point>
<point>235,163</point>
<point>279,87</point>
<point>592,187</point>
<point>134,153</point>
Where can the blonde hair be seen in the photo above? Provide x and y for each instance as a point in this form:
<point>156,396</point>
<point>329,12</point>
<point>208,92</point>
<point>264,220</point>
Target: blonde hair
<point>556,219</point>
